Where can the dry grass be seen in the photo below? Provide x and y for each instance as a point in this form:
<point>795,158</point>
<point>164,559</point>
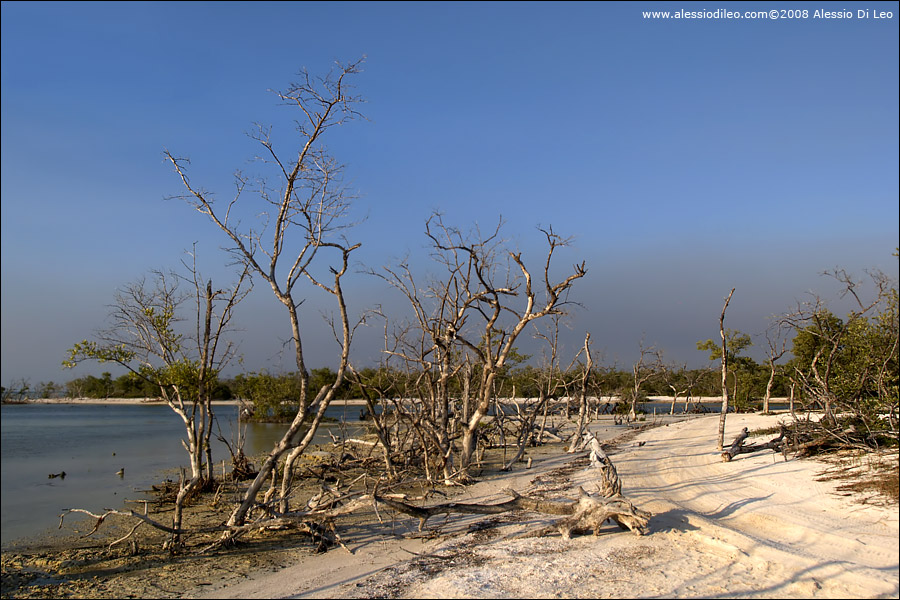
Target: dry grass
<point>871,477</point>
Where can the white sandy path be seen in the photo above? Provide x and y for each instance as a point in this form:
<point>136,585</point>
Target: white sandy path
<point>758,527</point>
<point>790,534</point>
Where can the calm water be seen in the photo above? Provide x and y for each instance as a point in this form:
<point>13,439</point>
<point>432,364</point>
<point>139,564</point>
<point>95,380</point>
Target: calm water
<point>91,443</point>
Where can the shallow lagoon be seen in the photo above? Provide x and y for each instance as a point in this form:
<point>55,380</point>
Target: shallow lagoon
<point>91,443</point>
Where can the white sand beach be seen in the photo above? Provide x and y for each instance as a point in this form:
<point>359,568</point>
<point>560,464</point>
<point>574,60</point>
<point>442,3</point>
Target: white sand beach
<point>756,527</point>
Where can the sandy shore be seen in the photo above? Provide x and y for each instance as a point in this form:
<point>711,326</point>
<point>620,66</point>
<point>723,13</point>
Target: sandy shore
<point>757,527</point>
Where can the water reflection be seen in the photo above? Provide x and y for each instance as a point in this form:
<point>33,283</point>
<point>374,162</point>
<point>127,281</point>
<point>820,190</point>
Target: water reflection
<point>93,444</point>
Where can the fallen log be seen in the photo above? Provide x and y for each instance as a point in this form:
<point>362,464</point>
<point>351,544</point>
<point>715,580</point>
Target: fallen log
<point>735,449</point>
<point>737,446</point>
<point>551,435</point>
<point>587,513</point>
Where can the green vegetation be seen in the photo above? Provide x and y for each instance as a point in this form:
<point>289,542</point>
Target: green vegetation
<point>129,385</point>
<point>849,367</point>
<point>275,398</point>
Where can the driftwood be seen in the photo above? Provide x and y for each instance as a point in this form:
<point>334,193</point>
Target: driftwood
<point>735,449</point>
<point>738,447</point>
<point>550,433</point>
<point>587,513</point>
<point>315,522</point>
<point>610,485</point>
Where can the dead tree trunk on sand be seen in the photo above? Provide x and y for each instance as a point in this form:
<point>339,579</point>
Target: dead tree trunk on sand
<point>587,513</point>
<point>737,446</point>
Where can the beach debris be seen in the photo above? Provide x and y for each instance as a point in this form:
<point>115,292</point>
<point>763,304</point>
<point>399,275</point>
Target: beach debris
<point>737,446</point>
<point>610,485</point>
<point>588,513</point>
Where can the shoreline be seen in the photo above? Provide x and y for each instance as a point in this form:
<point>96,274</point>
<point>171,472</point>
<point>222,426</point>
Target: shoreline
<point>702,400</point>
<point>758,526</point>
<point>56,561</point>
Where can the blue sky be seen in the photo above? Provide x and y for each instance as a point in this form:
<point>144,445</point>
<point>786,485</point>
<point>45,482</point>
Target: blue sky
<point>685,157</point>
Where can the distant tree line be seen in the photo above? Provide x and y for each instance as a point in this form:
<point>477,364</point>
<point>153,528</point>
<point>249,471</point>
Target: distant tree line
<point>273,396</point>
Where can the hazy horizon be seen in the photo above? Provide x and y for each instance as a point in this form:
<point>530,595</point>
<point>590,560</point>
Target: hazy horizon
<point>683,157</point>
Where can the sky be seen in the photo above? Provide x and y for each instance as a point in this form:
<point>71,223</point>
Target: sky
<point>684,157</point>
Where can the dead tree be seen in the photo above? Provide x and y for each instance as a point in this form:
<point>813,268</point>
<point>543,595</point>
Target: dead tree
<point>642,372</point>
<point>303,218</point>
<point>143,338</point>
<point>372,393</point>
<point>527,432</point>
<point>551,383</point>
<point>497,340</point>
<point>588,513</point>
<point>693,378</point>
<point>427,346</point>
<point>736,445</point>
<point>610,485</point>
<point>466,324</point>
<point>548,383</point>
<point>721,438</point>
<point>582,394</point>
<point>488,302</point>
<point>674,378</point>
<point>773,354</point>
